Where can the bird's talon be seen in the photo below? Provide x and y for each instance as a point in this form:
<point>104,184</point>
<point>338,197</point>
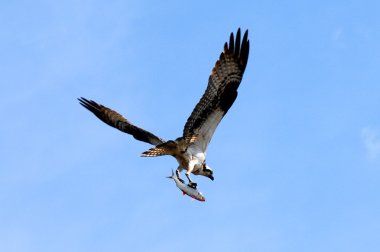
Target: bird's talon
<point>192,185</point>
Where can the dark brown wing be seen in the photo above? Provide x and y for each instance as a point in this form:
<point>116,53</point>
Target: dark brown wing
<point>221,90</point>
<point>114,119</point>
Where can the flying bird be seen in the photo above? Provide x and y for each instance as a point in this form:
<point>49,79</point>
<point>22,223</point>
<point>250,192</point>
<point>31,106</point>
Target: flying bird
<point>190,149</point>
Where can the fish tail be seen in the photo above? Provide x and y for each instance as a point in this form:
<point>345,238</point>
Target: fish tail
<point>172,176</point>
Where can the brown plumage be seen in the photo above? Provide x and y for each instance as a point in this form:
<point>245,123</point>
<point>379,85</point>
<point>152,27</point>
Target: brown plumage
<point>220,94</point>
<point>167,148</point>
<point>114,119</point>
<point>221,90</point>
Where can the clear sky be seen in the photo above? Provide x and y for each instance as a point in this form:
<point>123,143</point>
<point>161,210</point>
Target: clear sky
<point>296,160</point>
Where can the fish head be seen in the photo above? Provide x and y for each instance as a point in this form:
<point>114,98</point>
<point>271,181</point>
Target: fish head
<point>200,197</point>
<point>193,193</point>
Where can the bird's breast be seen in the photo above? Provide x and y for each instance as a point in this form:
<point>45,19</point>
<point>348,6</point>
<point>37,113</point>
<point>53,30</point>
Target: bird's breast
<point>191,155</point>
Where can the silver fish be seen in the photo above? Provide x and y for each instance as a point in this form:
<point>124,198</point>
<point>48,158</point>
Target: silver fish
<point>193,193</point>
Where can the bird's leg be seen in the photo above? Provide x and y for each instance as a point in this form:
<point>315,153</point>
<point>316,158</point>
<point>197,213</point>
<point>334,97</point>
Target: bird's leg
<point>189,170</point>
<point>177,173</point>
<point>191,183</point>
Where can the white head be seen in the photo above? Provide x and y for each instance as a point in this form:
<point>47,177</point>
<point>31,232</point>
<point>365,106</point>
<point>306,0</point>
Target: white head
<point>207,171</point>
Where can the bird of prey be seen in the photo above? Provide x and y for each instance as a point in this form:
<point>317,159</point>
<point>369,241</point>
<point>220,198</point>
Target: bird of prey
<point>190,149</point>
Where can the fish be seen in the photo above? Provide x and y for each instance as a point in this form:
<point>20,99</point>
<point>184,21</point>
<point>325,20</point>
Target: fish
<point>191,192</point>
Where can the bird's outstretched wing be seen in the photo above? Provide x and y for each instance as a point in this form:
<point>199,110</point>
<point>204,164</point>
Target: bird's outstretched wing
<point>221,90</point>
<point>114,119</point>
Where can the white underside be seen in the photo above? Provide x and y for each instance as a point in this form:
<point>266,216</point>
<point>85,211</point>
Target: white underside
<point>192,160</point>
<point>195,155</point>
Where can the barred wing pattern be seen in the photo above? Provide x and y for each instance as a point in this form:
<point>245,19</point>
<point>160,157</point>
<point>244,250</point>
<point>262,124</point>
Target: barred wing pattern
<point>221,91</point>
<point>114,119</point>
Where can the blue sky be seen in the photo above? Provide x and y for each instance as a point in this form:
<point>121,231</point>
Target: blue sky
<point>296,160</point>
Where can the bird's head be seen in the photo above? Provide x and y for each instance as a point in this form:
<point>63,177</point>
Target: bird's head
<point>207,172</point>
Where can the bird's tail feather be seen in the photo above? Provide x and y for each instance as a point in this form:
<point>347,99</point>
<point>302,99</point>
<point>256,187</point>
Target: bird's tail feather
<point>167,148</point>
<point>155,152</point>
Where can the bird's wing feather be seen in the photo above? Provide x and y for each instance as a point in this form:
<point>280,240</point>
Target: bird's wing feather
<point>221,90</point>
<point>117,121</point>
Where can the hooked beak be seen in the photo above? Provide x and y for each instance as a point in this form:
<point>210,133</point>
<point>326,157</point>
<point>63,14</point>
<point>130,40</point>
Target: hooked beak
<point>211,177</point>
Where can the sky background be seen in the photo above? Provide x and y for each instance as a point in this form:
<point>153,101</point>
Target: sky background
<point>296,160</point>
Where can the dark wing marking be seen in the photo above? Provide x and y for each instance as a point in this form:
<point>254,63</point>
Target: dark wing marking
<point>221,90</point>
<point>114,119</point>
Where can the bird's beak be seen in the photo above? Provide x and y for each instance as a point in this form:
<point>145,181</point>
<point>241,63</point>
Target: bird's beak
<point>211,177</point>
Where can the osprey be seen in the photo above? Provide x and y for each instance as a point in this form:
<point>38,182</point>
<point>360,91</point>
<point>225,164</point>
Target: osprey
<point>190,148</point>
